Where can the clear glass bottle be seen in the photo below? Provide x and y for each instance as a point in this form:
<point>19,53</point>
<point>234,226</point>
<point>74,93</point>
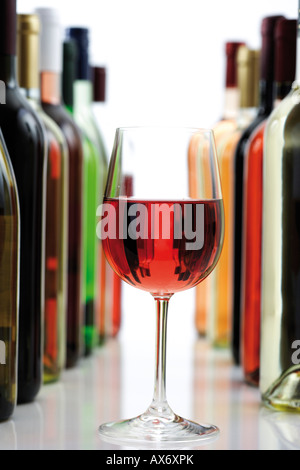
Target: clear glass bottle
<point>56,202</point>
<point>228,121</point>
<point>226,125</point>
<point>110,286</point>
<point>221,311</point>
<point>280,315</point>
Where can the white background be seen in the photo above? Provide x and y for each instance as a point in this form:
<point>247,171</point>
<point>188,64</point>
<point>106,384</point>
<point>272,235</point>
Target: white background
<point>165,62</point>
<point>165,58</point>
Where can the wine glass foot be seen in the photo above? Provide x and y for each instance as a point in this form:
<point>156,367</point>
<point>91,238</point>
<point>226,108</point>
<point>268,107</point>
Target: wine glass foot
<point>147,430</point>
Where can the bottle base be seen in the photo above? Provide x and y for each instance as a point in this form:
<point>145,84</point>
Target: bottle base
<point>284,394</point>
<point>27,393</point>
<point>252,378</point>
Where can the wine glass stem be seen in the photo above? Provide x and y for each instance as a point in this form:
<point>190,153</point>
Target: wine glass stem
<point>159,403</point>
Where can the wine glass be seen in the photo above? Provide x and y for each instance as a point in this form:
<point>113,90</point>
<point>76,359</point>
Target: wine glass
<point>162,228</point>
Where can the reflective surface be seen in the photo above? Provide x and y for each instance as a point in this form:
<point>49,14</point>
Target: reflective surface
<point>115,381</point>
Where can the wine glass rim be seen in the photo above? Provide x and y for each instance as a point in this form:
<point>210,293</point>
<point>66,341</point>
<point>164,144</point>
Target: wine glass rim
<point>193,130</point>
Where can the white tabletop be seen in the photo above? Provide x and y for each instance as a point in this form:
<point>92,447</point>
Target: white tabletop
<point>117,383</point>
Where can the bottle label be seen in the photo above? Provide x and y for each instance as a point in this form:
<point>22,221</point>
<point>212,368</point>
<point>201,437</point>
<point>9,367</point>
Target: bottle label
<point>2,353</point>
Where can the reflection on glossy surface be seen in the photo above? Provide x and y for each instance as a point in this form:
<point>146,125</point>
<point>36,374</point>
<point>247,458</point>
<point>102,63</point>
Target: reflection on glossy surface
<point>221,395</point>
<point>279,430</point>
<point>8,437</point>
<point>28,420</point>
<point>67,415</point>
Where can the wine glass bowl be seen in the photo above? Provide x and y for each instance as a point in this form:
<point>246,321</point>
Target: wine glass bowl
<point>162,228</point>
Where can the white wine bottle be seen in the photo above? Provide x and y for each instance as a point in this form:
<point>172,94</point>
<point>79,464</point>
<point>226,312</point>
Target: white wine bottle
<point>280,314</point>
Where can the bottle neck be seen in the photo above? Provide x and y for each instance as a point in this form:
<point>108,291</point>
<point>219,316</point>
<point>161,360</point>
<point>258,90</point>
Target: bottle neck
<point>83,95</point>
<point>32,94</point>
<point>245,117</point>
<point>8,70</point>
<point>231,104</point>
<point>51,88</point>
<point>281,91</point>
<point>298,55</point>
<point>266,97</point>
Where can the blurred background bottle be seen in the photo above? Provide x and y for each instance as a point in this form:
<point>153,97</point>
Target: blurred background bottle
<point>94,171</point>
<point>50,83</point>
<point>226,125</point>
<point>228,121</point>
<point>266,102</point>
<point>56,202</point>
<point>285,35</point>
<point>110,285</point>
<point>221,314</point>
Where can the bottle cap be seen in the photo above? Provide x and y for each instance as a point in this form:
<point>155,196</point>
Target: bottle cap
<point>81,37</point>
<point>8,27</point>
<point>28,51</point>
<point>285,50</point>
<point>69,71</point>
<point>268,47</point>
<point>99,84</point>
<point>248,76</point>
<point>51,40</point>
<point>231,68</point>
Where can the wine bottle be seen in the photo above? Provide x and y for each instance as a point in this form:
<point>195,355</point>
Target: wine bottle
<point>280,314</point>
<point>110,286</point>
<point>226,125</point>
<point>50,83</point>
<point>95,171</point>
<point>285,60</point>
<point>9,281</point>
<point>228,121</point>
<point>56,202</point>
<point>69,73</point>
<point>266,101</point>
<point>25,138</point>
<point>220,324</point>
<point>70,56</point>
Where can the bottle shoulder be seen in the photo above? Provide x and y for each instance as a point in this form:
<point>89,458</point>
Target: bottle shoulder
<point>247,134</point>
<point>21,126</point>
<point>67,126</point>
<point>9,199</point>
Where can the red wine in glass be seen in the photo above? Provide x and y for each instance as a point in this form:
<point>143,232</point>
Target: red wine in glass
<point>157,246</point>
<point>165,238</point>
